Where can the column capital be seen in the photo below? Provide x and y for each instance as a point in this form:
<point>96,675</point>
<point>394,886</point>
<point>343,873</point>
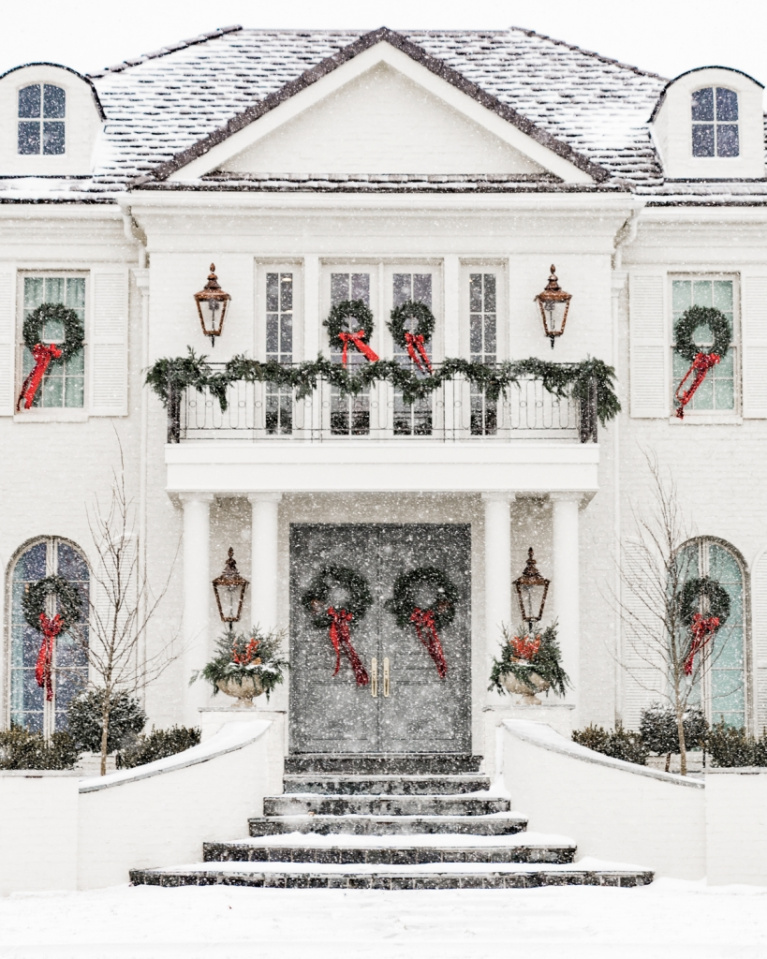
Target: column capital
<point>264,498</point>
<point>196,497</point>
<point>500,496</point>
<point>582,499</point>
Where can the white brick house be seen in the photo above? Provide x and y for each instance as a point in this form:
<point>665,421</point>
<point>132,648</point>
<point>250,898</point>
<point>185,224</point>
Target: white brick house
<point>447,167</point>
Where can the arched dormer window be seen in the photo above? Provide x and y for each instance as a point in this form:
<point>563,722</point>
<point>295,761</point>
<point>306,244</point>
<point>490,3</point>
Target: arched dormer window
<point>715,123</point>
<point>42,111</point>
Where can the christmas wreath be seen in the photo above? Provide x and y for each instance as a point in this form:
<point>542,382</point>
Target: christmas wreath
<point>702,628</point>
<point>33,604</point>
<point>528,658</point>
<point>413,340</point>
<point>338,620</point>
<point>428,615</point>
<point>351,322</point>
<point>74,338</point>
<point>701,362</point>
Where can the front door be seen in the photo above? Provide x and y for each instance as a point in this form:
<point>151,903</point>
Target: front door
<point>415,711</point>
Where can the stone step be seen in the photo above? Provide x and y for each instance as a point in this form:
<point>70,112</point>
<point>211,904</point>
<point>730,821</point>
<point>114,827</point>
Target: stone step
<point>393,764</point>
<point>388,805</point>
<point>283,875</point>
<point>496,824</point>
<point>394,850</point>
<point>377,785</point>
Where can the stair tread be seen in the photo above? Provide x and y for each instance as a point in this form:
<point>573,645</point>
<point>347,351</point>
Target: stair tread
<point>421,797</point>
<point>324,817</point>
<point>408,841</point>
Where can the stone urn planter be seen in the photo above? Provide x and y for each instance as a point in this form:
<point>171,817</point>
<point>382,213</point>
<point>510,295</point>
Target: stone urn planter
<point>243,691</point>
<point>513,685</point>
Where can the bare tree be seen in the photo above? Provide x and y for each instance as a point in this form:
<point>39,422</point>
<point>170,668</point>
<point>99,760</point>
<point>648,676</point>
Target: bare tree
<point>661,654</point>
<point>122,608</point>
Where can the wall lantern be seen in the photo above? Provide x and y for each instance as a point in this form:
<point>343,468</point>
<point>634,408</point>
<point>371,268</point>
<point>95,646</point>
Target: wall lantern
<point>230,588</point>
<point>531,590</point>
<point>212,304</point>
<point>554,304</point>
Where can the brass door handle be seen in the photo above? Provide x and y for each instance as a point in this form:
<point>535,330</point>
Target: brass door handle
<point>374,680</point>
<point>386,677</point>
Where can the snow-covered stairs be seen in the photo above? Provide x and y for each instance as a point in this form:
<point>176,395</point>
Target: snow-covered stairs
<point>389,823</point>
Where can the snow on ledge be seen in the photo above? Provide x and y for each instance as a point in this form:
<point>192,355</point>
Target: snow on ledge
<point>547,738</point>
<point>231,737</point>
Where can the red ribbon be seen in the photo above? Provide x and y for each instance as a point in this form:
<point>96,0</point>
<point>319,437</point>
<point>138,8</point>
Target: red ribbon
<point>50,629</point>
<point>356,339</point>
<point>423,620</point>
<point>339,637</point>
<point>43,356</point>
<point>702,630</point>
<point>702,363</point>
<point>415,342</point>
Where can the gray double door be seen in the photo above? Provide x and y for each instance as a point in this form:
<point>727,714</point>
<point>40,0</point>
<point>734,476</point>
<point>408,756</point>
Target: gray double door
<point>414,711</point>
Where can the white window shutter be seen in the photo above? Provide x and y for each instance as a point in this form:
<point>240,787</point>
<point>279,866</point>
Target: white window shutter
<point>648,346</point>
<point>759,628</point>
<point>754,352</point>
<point>7,342</point>
<point>107,344</point>
<point>642,663</point>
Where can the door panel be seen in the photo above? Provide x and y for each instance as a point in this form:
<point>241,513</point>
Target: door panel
<point>422,712</point>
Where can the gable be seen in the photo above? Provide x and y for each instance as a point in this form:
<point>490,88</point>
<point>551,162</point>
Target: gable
<point>382,122</point>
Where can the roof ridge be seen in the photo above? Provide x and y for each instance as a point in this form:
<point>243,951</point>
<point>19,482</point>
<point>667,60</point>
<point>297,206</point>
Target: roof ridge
<point>164,51</point>
<point>591,53</point>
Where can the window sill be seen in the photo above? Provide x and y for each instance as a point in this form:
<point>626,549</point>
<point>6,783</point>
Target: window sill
<point>708,419</point>
<point>51,416</point>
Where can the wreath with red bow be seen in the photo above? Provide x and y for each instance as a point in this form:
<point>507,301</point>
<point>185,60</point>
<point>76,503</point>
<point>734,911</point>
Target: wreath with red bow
<point>420,317</point>
<point>44,356</point>
<point>33,604</point>
<point>700,360</point>
<point>702,628</point>
<point>426,598</point>
<point>350,323</point>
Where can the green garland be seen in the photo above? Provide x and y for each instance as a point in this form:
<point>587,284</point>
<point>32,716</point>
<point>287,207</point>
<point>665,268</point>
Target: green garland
<point>74,332</point>
<point>412,310</point>
<point>717,596</point>
<point>406,589</point>
<point>315,597</point>
<point>574,380</point>
<point>340,315</point>
<point>547,663</point>
<point>69,604</point>
<point>690,320</point>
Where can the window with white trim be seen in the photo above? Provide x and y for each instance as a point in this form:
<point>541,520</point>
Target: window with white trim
<point>279,293</point>
<point>63,386</point>
<point>718,392</point>
<point>349,415</point>
<point>483,346</point>
<point>715,123</point>
<point>41,118</point>
<point>411,419</point>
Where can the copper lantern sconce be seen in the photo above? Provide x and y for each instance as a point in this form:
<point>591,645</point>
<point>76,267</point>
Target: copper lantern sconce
<point>554,304</point>
<point>230,588</point>
<point>532,589</point>
<point>212,304</point>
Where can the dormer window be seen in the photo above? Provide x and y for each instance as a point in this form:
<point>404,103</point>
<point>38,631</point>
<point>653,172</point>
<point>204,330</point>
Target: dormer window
<point>42,107</point>
<point>715,123</point>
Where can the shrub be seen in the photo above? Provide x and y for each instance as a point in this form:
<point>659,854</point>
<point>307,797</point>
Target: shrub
<point>729,746</point>
<point>159,744</point>
<point>659,732</point>
<point>126,720</point>
<point>619,743</point>
<point>21,749</point>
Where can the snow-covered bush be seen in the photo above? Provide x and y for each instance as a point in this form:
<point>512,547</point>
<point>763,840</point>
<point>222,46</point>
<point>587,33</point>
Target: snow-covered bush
<point>659,732</point>
<point>21,749</point>
<point>158,744</point>
<point>85,715</point>
<point>619,743</point>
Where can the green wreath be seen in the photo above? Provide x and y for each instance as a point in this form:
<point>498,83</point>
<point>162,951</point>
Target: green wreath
<point>412,310</point>
<point>697,316</point>
<point>69,604</point>
<point>718,599</point>
<point>407,587</point>
<point>74,332</point>
<point>338,320</point>
<point>315,598</point>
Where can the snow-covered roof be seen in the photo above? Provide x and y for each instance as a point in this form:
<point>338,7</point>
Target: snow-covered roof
<point>170,106</point>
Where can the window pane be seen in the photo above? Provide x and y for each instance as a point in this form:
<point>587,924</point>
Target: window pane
<point>703,104</point>
<point>702,140</point>
<point>52,392</point>
<point>55,289</point>
<point>727,143</point>
<point>54,102</point>
<point>29,138</point>
<point>272,292</point>
<point>722,298</point>
<point>681,296</point>
<point>475,334</point>
<point>360,287</point>
<point>29,101</point>
<point>702,293</point>
<point>490,292</point>
<point>475,292</point>
<point>272,332</point>
<point>76,294</point>
<point>74,393</point>
<point>286,291</point>
<point>422,288</point>
<point>34,287</point>
<point>726,105</point>
<point>402,288</point>
<point>339,288</point>
<point>53,138</point>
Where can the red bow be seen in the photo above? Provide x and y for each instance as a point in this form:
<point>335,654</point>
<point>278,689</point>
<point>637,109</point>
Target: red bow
<point>50,629</point>
<point>702,630</point>
<point>415,342</point>
<point>356,339</point>
<point>702,363</point>
<point>339,636</point>
<point>43,356</point>
<point>423,620</point>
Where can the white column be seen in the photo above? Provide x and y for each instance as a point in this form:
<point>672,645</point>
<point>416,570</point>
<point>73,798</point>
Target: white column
<point>566,584</point>
<point>197,599</point>
<point>264,575</point>
<point>497,569</point>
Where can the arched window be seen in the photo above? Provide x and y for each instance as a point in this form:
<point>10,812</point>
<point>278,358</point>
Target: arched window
<point>715,123</point>
<point>722,691</point>
<point>28,704</point>
<point>42,108</point>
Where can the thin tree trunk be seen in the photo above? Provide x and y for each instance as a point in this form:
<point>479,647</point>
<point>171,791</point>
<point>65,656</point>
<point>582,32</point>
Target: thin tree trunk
<point>682,743</point>
<point>668,761</point>
<point>105,714</point>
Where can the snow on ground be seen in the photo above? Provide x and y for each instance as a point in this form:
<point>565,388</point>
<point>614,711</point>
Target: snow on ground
<point>670,918</point>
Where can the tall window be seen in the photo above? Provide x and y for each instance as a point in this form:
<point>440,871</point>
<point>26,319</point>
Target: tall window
<point>64,382</point>
<point>28,704</point>
<point>717,392</point>
<point>279,347</point>
<point>722,690</point>
<point>349,415</point>
<point>411,419</point>
<point>715,123</point>
<point>42,109</point>
<point>483,346</point>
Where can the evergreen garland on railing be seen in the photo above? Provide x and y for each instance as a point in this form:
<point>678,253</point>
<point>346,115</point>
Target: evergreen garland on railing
<point>572,379</point>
